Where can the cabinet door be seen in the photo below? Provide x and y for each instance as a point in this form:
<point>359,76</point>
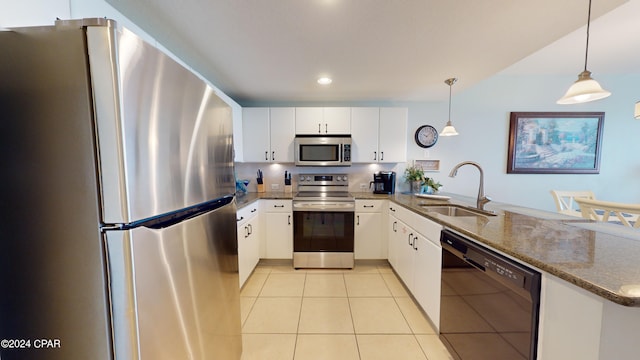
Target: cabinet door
<point>392,143</point>
<point>368,236</point>
<point>336,121</point>
<point>426,281</point>
<point>255,132</point>
<point>405,253</point>
<point>309,121</point>
<point>392,246</point>
<point>279,235</point>
<point>282,126</point>
<point>364,134</point>
<point>243,252</point>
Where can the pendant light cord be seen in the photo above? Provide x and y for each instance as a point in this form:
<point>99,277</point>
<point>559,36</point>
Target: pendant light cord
<point>450,99</point>
<point>586,53</point>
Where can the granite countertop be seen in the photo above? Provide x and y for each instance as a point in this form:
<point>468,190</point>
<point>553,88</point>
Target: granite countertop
<point>603,259</point>
<point>600,258</point>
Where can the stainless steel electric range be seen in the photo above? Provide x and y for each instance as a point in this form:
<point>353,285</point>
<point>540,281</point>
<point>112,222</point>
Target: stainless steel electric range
<point>323,222</point>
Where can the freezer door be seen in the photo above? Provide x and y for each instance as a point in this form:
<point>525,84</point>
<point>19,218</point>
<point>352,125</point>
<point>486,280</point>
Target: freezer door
<point>165,138</point>
<point>175,290</point>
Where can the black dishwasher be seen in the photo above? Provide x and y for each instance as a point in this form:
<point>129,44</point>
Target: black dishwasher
<point>489,303</point>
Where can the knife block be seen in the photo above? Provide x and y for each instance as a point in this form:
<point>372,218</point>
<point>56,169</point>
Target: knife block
<point>261,188</point>
<point>288,189</point>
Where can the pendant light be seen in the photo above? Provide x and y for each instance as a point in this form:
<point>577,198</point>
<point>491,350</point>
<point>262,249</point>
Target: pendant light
<point>585,89</point>
<point>449,130</point>
<point>636,113</point>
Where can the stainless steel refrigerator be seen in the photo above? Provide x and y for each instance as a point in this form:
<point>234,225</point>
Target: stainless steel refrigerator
<point>117,209</point>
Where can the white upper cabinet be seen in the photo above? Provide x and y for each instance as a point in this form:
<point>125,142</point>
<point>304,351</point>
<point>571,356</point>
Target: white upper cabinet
<point>268,134</point>
<point>379,135</point>
<point>392,142</point>
<point>323,120</point>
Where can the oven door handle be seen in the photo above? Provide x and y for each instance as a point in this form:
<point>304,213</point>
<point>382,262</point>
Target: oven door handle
<point>324,207</point>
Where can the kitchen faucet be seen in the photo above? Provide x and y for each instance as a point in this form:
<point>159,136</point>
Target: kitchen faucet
<point>481,198</point>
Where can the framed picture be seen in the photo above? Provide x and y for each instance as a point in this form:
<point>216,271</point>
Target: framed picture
<point>428,165</point>
<point>555,142</point>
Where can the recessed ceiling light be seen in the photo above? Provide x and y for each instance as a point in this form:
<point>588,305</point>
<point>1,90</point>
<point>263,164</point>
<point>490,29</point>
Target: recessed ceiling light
<point>324,81</point>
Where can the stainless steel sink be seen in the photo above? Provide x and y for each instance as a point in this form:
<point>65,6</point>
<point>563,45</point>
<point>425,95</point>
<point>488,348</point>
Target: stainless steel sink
<point>456,210</point>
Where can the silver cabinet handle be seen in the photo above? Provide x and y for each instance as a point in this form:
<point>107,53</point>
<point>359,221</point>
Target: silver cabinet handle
<point>358,220</point>
<point>241,218</point>
<point>381,155</point>
<point>250,229</point>
<point>393,227</point>
<point>375,155</point>
<point>410,238</point>
<point>319,128</point>
<point>266,155</point>
<point>246,231</point>
<point>273,155</point>
<point>278,206</point>
<point>254,210</point>
<point>368,206</point>
<point>326,128</point>
<point>415,243</point>
<point>289,220</point>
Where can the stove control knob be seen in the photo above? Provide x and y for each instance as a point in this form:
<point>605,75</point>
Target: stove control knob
<point>344,178</point>
<point>301,177</point>
<point>308,178</point>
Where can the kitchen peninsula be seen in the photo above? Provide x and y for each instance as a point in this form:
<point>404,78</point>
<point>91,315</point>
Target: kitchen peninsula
<point>590,305</point>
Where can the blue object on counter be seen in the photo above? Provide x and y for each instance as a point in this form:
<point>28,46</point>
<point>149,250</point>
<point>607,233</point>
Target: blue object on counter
<point>241,186</point>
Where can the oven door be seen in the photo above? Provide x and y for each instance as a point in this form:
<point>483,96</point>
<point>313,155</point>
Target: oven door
<point>321,230</point>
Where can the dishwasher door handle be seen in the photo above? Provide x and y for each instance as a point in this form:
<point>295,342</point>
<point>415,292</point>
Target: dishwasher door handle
<point>473,263</point>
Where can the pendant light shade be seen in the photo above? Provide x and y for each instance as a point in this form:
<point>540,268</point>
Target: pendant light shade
<point>585,89</point>
<point>636,113</point>
<point>449,130</point>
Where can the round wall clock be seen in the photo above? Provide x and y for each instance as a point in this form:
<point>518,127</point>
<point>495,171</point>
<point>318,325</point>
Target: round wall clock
<point>426,136</point>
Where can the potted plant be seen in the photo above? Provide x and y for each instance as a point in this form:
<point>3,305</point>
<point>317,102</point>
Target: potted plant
<point>414,175</point>
<point>432,186</point>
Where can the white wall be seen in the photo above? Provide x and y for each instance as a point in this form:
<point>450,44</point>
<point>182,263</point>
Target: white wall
<point>481,116</point>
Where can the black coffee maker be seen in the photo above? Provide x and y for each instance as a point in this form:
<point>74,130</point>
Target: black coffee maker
<point>384,182</point>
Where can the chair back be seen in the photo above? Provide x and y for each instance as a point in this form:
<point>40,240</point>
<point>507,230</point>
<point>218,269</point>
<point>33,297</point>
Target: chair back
<point>599,210</point>
<point>565,200</point>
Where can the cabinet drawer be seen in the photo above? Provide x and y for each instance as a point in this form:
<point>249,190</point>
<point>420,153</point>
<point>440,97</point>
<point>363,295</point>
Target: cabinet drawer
<point>277,206</point>
<point>369,205</point>
<point>247,212</point>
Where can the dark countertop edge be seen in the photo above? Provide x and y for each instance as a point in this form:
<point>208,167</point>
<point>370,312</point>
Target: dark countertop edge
<point>400,199</point>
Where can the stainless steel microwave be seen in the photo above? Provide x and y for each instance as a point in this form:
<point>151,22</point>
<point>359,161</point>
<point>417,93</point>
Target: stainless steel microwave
<point>313,150</point>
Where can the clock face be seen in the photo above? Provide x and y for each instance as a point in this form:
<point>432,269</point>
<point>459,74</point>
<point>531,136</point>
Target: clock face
<point>426,136</point>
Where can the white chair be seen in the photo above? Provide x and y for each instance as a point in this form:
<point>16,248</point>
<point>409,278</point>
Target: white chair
<point>565,201</point>
<point>599,210</point>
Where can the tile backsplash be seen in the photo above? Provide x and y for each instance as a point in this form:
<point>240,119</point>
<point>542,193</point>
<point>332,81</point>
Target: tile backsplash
<point>359,174</point>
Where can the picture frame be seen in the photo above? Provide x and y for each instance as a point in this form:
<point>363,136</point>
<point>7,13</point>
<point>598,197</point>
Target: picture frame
<point>555,142</point>
<point>428,165</point>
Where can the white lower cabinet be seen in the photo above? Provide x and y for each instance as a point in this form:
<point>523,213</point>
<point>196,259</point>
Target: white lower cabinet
<point>369,234</point>
<point>278,234</point>
<point>426,281</point>
<point>416,256</point>
<point>248,230</point>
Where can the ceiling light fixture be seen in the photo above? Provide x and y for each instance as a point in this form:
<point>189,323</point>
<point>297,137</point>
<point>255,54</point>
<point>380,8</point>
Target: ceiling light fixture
<point>324,81</point>
<point>585,89</point>
<point>449,130</point>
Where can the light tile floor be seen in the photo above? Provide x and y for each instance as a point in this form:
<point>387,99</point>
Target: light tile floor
<point>359,314</point>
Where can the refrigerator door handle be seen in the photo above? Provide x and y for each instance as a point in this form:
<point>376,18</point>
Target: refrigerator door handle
<point>174,217</point>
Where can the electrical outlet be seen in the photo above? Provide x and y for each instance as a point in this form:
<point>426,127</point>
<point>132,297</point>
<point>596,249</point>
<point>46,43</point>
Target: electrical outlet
<point>275,186</point>
<point>363,186</point>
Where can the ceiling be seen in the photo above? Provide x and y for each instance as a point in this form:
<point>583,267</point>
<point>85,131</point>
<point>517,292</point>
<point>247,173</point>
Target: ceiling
<point>273,51</point>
